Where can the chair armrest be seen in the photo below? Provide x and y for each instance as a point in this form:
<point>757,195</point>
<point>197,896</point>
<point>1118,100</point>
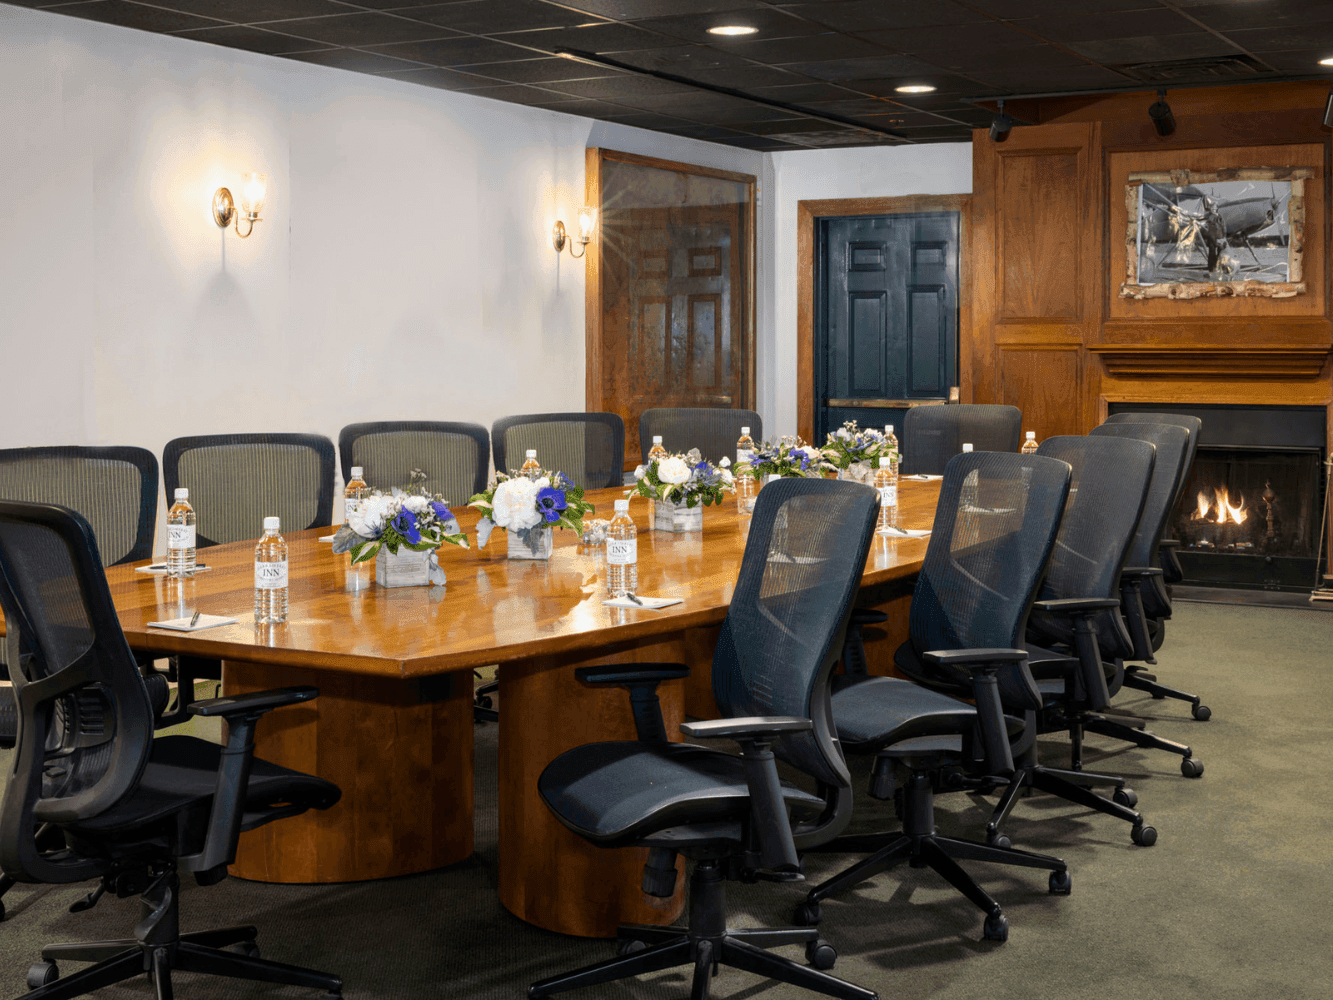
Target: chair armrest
<point>627,673</point>
<point>255,704</point>
<point>867,616</point>
<point>754,727</point>
<point>1077,605</point>
<point>984,665</point>
<point>1053,669</point>
<point>1140,572</point>
<point>1168,543</point>
<point>970,657</point>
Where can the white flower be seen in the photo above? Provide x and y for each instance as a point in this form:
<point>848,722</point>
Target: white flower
<point>673,470</point>
<point>843,433</point>
<point>727,476</point>
<point>725,463</point>
<point>693,456</point>
<point>368,519</point>
<point>638,472</point>
<point>416,504</point>
<point>515,504</point>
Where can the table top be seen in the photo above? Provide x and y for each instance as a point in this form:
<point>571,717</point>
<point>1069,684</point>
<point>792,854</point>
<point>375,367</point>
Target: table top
<point>492,609</point>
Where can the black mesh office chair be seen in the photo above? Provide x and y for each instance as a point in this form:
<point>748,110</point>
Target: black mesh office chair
<point>994,529</point>
<point>713,431</point>
<point>728,813</point>
<point>589,448</point>
<point>454,456</point>
<point>1171,571</point>
<point>934,434</point>
<point>1145,595</point>
<point>123,807</point>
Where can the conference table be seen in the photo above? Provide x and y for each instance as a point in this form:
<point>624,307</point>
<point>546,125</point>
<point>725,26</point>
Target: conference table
<point>393,724</point>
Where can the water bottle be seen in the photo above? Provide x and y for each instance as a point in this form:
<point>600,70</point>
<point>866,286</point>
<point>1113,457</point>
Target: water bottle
<point>886,481</point>
<point>656,453</point>
<point>622,553</point>
<point>356,491</point>
<point>270,576</point>
<point>968,497</point>
<point>180,536</point>
<point>890,441</point>
<point>744,446</point>
<point>1030,444</point>
<point>532,469</point>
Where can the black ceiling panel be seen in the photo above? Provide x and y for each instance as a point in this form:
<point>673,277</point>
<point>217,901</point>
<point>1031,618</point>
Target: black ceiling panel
<point>833,57</point>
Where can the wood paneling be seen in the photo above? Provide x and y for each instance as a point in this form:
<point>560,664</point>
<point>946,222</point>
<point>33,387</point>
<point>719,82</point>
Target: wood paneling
<point>1044,383</point>
<point>1039,207</point>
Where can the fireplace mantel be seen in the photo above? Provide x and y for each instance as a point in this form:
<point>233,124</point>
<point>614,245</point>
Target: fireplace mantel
<point>1213,361</point>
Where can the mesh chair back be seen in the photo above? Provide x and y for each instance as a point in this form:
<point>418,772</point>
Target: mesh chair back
<point>589,448</point>
<point>713,431</point>
<point>85,722</point>
<point>454,456</point>
<point>784,630</point>
<point>236,480</point>
<point>1108,487</point>
<point>1192,424</point>
<point>115,489</point>
<point>1172,443</point>
<point>934,434</point>
<point>995,528</point>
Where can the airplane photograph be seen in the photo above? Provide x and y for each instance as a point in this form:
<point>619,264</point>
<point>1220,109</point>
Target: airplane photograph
<point>1221,231</point>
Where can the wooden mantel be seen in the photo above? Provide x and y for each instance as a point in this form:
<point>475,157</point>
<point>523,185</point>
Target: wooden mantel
<point>1213,361</point>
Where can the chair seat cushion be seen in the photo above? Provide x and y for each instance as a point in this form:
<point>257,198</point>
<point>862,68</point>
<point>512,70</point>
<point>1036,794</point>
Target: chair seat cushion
<point>182,773</point>
<point>614,793</point>
<point>880,711</point>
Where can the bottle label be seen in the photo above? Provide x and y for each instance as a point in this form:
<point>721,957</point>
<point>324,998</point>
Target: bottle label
<point>622,551</point>
<point>271,575</point>
<point>741,454</point>
<point>350,507</point>
<point>180,536</point>
<point>888,496</point>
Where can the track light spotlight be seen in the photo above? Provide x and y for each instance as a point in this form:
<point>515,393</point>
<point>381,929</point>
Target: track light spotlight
<point>1000,126</point>
<point>1162,118</point>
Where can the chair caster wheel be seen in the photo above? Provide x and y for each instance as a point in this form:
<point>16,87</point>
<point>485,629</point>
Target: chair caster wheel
<point>485,702</point>
<point>1202,712</point>
<point>820,954</point>
<point>999,840</point>
<point>42,974</point>
<point>1143,835</point>
<point>808,914</point>
<point>247,948</point>
<point>1061,883</point>
<point>1125,797</point>
<point>997,928</point>
<point>628,946</point>
<point>1191,767</point>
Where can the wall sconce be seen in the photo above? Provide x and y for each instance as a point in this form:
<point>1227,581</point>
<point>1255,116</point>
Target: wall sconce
<point>587,223</point>
<point>253,189</point>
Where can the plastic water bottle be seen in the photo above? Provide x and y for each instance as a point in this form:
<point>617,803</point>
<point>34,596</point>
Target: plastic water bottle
<point>356,491</point>
<point>270,576</point>
<point>889,439</point>
<point>886,481</point>
<point>744,446</point>
<point>1030,444</point>
<point>532,469</point>
<point>656,453</point>
<point>180,536</point>
<point>968,496</point>
<point>622,553</point>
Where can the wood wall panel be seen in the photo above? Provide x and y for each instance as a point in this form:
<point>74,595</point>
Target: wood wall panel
<point>1039,224</point>
<point>1044,382</point>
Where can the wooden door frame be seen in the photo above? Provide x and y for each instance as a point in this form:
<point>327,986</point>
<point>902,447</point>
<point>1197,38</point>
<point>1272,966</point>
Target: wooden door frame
<point>806,214</point>
<point>594,156</point>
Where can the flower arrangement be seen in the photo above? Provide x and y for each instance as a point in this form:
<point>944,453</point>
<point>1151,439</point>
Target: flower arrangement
<point>789,457</point>
<point>399,520</point>
<point>518,504</point>
<point>683,479</point>
<point>849,445</point>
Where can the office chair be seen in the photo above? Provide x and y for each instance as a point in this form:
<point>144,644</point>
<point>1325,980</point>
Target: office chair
<point>589,448</point>
<point>454,456</point>
<point>713,431</point>
<point>934,434</point>
<point>995,526</point>
<point>1144,594</point>
<point>123,807</point>
<point>731,814</point>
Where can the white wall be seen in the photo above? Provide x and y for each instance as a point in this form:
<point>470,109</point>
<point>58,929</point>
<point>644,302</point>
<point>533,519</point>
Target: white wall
<point>940,168</point>
<point>403,268</point>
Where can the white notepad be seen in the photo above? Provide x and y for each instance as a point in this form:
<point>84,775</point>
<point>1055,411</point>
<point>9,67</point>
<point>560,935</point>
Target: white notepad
<point>922,478</point>
<point>648,603</point>
<point>909,533</point>
<point>161,568</point>
<point>183,624</point>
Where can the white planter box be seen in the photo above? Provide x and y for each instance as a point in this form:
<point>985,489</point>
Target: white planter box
<point>668,516</point>
<point>407,568</point>
<point>858,472</point>
<point>535,543</point>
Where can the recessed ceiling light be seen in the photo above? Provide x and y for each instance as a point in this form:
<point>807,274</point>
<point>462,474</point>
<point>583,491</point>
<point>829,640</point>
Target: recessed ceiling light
<point>915,88</point>
<point>732,29</point>
<point>1326,62</point>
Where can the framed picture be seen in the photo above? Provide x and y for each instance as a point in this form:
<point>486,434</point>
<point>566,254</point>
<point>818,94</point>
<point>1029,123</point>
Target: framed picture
<point>1194,234</point>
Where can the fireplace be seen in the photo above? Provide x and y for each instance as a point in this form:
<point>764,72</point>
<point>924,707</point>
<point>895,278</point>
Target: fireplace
<point>1249,515</point>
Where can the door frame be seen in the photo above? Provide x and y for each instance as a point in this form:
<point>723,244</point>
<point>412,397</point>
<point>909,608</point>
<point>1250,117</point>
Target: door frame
<point>826,208</point>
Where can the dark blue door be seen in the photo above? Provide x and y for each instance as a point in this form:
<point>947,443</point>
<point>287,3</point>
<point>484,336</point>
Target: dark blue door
<point>886,317</point>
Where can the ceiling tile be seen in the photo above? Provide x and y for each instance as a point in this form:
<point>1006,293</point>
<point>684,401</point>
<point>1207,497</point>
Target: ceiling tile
<point>864,15</point>
<point>628,10</point>
<point>803,93</point>
<point>748,78</point>
<point>444,79</point>
<point>761,144</point>
<point>542,70</point>
<point>644,119</point>
<point>878,67</point>
<point>684,60</point>
<point>1317,34</point>
<point>362,30</point>
<point>239,36</point>
<point>622,86</point>
<point>947,88</point>
<point>994,36</point>
<point>811,48</point>
<point>531,96</point>
<point>1034,79</point>
<point>1289,14</point>
<point>1152,48</point>
<point>488,17</point>
<point>1301,61</point>
<point>457,51</point>
<point>353,59</point>
<point>135,15</point>
<point>1122,24</point>
<point>602,38</point>
<point>254,11</point>
<point>972,59</point>
<point>772,23</point>
<point>1017,9</point>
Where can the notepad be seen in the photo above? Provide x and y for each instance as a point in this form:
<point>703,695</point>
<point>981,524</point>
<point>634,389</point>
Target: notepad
<point>183,624</point>
<point>922,478</point>
<point>908,533</point>
<point>648,603</point>
<point>326,538</point>
<point>162,568</point>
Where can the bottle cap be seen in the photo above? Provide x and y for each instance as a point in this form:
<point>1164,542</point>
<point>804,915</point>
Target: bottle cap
<point>657,439</point>
<point>622,506</point>
<point>886,463</point>
<point>271,524</point>
<point>745,432</point>
<point>1032,435</point>
<point>356,472</point>
<point>966,448</point>
<point>888,428</point>
<point>532,453</point>
<point>182,493</point>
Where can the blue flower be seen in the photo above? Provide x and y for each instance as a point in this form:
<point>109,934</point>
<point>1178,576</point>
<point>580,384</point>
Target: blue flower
<point>551,502</point>
<point>703,469</point>
<point>406,525</point>
<point>441,511</point>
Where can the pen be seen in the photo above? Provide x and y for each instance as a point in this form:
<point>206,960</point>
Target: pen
<point>194,620</point>
<point>634,599</point>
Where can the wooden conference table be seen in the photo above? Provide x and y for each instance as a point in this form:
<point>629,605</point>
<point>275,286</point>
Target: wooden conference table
<point>393,723</point>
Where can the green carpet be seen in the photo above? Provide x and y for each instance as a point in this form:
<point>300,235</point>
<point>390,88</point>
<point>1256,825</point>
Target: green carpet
<point>1230,903</point>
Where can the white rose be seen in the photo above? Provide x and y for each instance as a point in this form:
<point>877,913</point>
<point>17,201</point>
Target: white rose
<point>368,519</point>
<point>725,463</point>
<point>638,472</point>
<point>514,506</point>
<point>416,504</point>
<point>673,470</point>
<point>728,477</point>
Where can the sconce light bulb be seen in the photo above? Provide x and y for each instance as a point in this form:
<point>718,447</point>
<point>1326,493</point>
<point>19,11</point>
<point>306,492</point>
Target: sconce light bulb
<point>587,223</point>
<point>254,187</point>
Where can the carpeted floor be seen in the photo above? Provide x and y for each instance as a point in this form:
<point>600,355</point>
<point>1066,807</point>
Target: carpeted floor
<point>1232,902</point>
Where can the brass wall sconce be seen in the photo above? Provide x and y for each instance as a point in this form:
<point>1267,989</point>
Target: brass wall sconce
<point>253,189</point>
<point>587,223</point>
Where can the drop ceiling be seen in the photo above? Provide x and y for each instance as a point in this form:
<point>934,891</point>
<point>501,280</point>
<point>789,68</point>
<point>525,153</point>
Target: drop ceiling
<point>838,59</point>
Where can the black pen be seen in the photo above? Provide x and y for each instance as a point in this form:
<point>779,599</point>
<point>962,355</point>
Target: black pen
<point>195,620</point>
